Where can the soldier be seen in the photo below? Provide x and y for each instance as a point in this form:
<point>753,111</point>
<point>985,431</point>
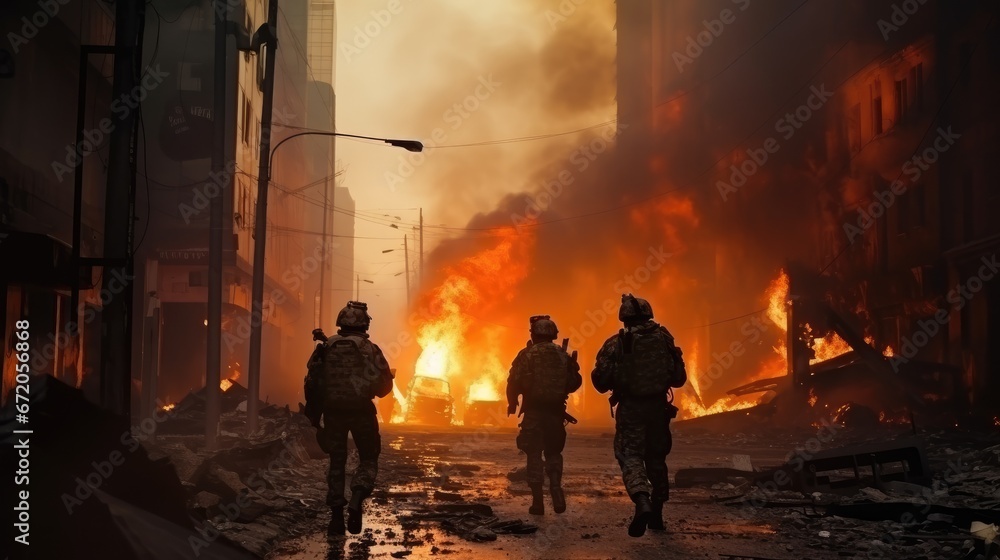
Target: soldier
<point>544,375</point>
<point>346,372</point>
<point>639,365</point>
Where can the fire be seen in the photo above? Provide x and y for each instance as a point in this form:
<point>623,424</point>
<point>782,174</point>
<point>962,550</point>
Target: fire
<point>455,345</point>
<point>483,390</point>
<point>668,217</point>
<point>812,397</point>
<point>168,407</point>
<point>487,386</point>
<point>692,406</point>
<point>403,405</point>
<point>777,301</point>
<point>225,385</point>
<point>825,348</point>
<point>829,347</point>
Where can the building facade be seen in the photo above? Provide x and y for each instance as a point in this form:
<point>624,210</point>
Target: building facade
<point>46,82</point>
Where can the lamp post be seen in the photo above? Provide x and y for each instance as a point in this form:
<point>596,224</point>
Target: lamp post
<point>260,229</point>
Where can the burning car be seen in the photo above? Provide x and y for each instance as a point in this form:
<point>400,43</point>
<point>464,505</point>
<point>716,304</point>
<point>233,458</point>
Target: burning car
<point>430,401</point>
<point>485,413</point>
<point>484,406</point>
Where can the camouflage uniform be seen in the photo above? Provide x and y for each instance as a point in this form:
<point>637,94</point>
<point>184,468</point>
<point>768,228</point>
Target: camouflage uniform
<point>545,375</point>
<point>642,421</point>
<point>345,373</point>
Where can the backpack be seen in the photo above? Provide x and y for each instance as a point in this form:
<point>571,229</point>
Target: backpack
<point>345,373</point>
<point>547,366</point>
<point>647,363</point>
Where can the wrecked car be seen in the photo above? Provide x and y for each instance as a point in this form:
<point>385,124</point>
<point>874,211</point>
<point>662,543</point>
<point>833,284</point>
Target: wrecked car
<point>430,401</point>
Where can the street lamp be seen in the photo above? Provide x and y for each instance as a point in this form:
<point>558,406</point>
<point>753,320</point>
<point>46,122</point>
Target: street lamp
<point>260,228</point>
<point>357,295</point>
<point>408,145</point>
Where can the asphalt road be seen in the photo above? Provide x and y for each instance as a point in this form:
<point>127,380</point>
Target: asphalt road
<point>475,463</point>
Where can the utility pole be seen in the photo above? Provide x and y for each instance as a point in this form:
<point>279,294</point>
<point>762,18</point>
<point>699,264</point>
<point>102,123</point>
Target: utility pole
<point>213,366</point>
<point>119,226</point>
<point>260,225</point>
<point>323,263</point>
<point>420,279</point>
<point>406,260</point>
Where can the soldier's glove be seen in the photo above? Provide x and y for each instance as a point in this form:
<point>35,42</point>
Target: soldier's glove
<point>511,409</point>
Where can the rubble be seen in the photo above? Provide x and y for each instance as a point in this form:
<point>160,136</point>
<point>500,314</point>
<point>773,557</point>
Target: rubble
<point>92,477</point>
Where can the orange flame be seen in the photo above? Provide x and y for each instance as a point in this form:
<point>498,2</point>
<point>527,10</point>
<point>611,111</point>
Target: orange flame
<point>825,348</point>
<point>692,406</point>
<point>225,385</point>
<point>455,346</point>
<point>168,407</point>
<point>483,390</point>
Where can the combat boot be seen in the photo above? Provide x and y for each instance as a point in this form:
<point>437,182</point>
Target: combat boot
<point>537,502</point>
<point>354,510</point>
<point>643,511</point>
<point>656,518</point>
<point>555,488</point>
<point>336,526</point>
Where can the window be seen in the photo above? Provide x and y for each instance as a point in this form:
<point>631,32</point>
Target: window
<point>917,86</point>
<point>902,104</point>
<point>246,119</point>
<point>876,92</point>
<point>854,128</point>
<point>969,202</point>
<point>250,30</point>
<point>918,205</point>
<point>903,212</point>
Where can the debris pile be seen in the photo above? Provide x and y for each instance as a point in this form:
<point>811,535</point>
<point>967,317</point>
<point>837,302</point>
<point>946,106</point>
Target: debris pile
<point>933,496</point>
<point>91,476</point>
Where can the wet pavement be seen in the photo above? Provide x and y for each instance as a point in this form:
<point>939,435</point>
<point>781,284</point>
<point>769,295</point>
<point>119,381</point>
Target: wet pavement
<point>422,468</point>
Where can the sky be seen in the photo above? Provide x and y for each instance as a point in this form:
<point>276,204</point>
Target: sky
<point>451,72</point>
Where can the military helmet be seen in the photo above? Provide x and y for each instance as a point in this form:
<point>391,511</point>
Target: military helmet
<point>355,316</point>
<point>634,309</point>
<point>544,327</point>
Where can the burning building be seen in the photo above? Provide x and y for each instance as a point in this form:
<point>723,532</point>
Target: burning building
<point>732,161</point>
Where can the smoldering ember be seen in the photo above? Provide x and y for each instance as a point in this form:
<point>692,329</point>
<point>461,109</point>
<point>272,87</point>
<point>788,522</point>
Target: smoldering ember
<point>500,279</point>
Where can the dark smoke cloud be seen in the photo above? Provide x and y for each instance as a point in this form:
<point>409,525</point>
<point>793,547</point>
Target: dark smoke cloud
<point>724,253</point>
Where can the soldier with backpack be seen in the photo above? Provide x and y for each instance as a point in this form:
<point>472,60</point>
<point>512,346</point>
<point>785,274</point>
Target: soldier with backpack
<point>640,365</point>
<point>543,375</point>
<point>346,372</point>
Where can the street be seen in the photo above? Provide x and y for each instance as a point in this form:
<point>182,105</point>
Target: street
<point>475,464</point>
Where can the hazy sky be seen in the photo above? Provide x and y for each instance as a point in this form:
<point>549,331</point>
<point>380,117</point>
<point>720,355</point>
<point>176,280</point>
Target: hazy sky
<point>455,72</point>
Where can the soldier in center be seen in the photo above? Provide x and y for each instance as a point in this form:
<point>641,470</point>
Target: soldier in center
<point>346,372</point>
<point>640,365</point>
<point>543,375</point>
